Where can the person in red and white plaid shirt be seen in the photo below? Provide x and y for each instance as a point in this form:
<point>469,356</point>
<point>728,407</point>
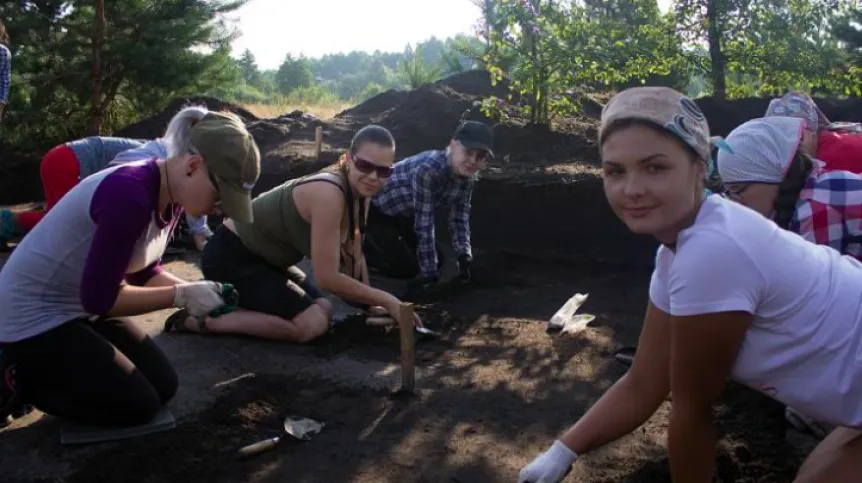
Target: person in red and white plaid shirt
<point>762,166</point>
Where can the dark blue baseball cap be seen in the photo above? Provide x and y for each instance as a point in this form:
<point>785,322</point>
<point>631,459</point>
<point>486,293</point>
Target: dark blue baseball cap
<point>475,135</point>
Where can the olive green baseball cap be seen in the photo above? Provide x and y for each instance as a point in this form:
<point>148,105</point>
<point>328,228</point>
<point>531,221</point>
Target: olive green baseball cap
<point>232,158</point>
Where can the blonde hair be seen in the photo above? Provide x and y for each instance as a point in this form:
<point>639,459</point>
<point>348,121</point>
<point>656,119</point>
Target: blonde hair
<point>177,138</point>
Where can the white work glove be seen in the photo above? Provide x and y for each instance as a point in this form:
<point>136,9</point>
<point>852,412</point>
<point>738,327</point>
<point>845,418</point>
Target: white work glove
<point>199,298</point>
<point>549,467</point>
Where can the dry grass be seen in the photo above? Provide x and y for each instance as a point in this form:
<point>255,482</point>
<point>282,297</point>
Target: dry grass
<point>323,111</point>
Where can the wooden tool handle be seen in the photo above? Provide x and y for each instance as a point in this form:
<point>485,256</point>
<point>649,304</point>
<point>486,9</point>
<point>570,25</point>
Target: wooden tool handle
<point>408,356</point>
<point>259,447</point>
<point>380,321</point>
<point>318,141</point>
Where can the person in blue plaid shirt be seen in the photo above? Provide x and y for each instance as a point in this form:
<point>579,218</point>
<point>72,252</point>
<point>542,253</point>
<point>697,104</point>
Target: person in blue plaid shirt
<point>5,69</point>
<point>400,240</point>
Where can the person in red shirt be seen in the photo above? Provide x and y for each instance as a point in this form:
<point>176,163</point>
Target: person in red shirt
<point>840,149</point>
<point>838,145</point>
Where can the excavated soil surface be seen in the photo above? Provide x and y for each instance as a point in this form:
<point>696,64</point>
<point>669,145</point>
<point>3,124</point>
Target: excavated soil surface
<point>496,389</point>
<point>493,392</point>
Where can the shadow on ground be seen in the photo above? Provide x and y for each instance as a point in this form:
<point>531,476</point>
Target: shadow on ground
<point>493,393</point>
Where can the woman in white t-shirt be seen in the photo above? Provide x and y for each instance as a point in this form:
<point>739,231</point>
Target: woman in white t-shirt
<point>732,295</point>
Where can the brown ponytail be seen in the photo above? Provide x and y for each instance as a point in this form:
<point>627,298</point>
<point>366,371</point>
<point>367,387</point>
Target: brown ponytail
<point>4,35</point>
<point>789,189</point>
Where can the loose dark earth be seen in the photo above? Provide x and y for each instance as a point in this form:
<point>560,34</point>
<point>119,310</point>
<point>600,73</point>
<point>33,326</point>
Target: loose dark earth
<point>493,392</point>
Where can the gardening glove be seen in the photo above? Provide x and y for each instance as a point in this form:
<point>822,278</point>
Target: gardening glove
<point>464,262</point>
<point>549,467</point>
<point>198,298</point>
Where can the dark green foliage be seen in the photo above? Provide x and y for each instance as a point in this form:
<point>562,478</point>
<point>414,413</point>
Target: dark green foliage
<point>147,57</point>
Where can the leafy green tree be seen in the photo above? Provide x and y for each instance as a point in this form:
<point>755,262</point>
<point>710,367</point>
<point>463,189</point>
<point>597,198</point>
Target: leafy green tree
<point>791,48</point>
<point>368,92</point>
<point>250,72</point>
<point>846,26</point>
<point>294,73</point>
<point>462,53</point>
<point>415,70</point>
<point>767,47</point>
<point>150,48</point>
<point>716,23</point>
<point>566,47</point>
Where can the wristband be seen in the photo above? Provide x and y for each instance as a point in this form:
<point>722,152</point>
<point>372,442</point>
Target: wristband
<point>560,450</point>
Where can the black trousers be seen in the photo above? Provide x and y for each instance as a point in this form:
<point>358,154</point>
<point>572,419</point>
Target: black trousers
<point>103,373</point>
<point>390,245</point>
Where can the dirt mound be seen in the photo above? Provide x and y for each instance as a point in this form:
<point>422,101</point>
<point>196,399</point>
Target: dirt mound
<point>569,140</point>
<point>476,83</point>
<point>154,126</point>
<point>725,115</point>
<point>571,214</point>
<point>271,133</point>
<point>847,110</point>
<point>426,118</point>
<point>374,106</point>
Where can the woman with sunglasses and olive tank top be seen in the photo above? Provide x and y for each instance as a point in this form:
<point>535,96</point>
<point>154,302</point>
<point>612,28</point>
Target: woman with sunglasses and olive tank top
<point>321,216</point>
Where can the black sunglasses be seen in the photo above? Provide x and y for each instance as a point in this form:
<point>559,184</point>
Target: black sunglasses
<point>367,167</point>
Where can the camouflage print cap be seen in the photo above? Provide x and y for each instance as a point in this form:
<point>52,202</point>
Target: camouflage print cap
<point>664,107</point>
<point>801,105</point>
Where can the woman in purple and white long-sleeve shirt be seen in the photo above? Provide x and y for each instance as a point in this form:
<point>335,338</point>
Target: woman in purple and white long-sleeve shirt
<point>95,258</point>
<point>5,69</point>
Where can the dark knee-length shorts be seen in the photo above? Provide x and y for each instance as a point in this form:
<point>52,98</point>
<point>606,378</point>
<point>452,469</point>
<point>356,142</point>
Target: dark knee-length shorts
<point>262,286</point>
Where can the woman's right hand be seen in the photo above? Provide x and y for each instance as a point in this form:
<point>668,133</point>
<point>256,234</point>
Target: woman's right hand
<point>551,466</point>
<point>393,307</point>
<point>199,298</point>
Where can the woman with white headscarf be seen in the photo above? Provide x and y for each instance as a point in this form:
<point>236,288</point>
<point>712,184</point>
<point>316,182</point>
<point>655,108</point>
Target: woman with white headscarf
<point>762,167</point>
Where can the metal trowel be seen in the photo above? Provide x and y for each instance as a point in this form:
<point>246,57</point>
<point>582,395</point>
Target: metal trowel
<point>381,321</point>
<point>300,428</point>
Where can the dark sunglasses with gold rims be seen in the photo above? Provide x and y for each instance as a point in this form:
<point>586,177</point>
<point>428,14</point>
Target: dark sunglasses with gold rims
<point>367,167</point>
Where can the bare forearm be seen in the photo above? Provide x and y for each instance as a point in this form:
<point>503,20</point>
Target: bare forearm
<point>691,445</point>
<point>617,413</point>
<point>349,289</point>
<point>133,300</point>
<point>164,279</point>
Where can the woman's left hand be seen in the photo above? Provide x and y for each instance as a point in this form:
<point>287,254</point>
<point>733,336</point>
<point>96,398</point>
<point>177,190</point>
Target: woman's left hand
<point>377,311</point>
